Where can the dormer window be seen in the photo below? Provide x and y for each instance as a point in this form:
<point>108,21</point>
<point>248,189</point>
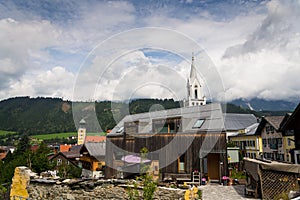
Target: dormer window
<point>170,125</point>
<point>198,123</point>
<point>120,130</point>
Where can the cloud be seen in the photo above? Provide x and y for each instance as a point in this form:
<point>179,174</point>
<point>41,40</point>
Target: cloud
<point>131,76</point>
<point>254,45</point>
<point>263,66</point>
<point>22,46</point>
<point>56,82</point>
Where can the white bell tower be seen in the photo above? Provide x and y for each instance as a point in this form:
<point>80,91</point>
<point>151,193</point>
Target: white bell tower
<point>81,132</point>
<point>194,89</point>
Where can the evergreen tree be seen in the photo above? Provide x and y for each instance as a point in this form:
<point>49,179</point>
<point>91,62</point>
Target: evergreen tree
<point>39,161</point>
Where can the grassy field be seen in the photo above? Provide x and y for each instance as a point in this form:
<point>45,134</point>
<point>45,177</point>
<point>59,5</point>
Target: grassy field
<point>6,132</point>
<point>59,135</point>
<point>54,135</point>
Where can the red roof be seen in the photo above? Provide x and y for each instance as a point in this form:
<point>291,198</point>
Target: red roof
<point>3,155</point>
<point>34,147</point>
<point>95,138</point>
<point>64,147</point>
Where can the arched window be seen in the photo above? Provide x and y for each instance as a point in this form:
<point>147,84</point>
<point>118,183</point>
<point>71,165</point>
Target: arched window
<point>196,94</point>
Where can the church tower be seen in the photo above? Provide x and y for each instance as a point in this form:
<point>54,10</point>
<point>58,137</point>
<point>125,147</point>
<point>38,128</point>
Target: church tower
<point>81,132</point>
<point>194,89</point>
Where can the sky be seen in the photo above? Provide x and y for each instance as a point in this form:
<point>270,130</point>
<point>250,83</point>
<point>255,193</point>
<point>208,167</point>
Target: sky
<point>120,50</point>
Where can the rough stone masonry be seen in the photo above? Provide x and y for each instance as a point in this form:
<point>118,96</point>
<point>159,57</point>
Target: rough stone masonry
<point>27,185</point>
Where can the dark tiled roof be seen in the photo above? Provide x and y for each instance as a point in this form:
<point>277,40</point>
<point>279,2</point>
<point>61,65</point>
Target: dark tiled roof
<point>96,149</point>
<point>234,122</point>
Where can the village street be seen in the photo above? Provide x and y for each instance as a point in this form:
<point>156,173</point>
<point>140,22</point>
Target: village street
<point>220,192</point>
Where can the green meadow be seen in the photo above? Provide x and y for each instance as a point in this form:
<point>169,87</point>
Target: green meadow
<point>60,135</point>
<point>6,132</point>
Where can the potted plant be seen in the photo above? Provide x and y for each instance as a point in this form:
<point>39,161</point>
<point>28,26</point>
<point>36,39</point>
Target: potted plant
<point>225,180</point>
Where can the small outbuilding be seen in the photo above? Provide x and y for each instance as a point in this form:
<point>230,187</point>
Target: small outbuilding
<point>269,179</point>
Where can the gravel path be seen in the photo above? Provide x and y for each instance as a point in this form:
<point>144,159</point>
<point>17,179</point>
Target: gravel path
<point>220,192</point>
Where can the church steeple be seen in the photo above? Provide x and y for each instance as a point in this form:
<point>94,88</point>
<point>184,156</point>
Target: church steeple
<point>193,70</point>
<point>194,90</point>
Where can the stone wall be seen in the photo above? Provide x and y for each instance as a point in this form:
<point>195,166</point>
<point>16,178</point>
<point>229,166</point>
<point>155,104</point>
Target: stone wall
<point>90,190</point>
<point>27,185</point>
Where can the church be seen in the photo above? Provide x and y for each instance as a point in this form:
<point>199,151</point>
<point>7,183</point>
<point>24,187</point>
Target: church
<point>179,141</point>
<point>194,89</point>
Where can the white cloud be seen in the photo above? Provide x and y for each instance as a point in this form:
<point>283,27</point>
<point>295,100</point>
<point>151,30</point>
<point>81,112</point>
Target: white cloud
<point>22,44</point>
<point>256,52</point>
<point>265,65</point>
<point>56,82</point>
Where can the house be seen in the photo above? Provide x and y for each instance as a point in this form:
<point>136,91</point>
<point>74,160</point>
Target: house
<point>92,157</point>
<point>179,142</point>
<point>288,140</point>
<point>60,159</point>
<point>238,123</point>
<point>292,127</point>
<point>275,145</point>
<point>74,154</point>
<point>249,144</point>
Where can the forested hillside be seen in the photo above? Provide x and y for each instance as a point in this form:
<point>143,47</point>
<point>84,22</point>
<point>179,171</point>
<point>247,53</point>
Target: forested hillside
<point>53,115</point>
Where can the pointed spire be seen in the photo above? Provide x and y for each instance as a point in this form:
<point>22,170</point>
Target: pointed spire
<point>193,70</point>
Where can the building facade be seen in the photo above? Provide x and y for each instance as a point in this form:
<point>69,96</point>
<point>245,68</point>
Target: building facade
<point>92,157</point>
<point>291,127</point>
<point>275,144</point>
<point>249,143</point>
<point>179,140</point>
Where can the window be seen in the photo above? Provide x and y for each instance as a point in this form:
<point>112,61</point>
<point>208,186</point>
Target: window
<point>264,141</point>
<point>289,142</point>
<point>279,142</point>
<point>181,163</point>
<point>196,94</point>
<point>171,125</point>
<point>59,162</point>
<point>198,123</point>
<point>131,128</point>
<point>269,141</point>
<point>267,129</point>
<point>120,129</point>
